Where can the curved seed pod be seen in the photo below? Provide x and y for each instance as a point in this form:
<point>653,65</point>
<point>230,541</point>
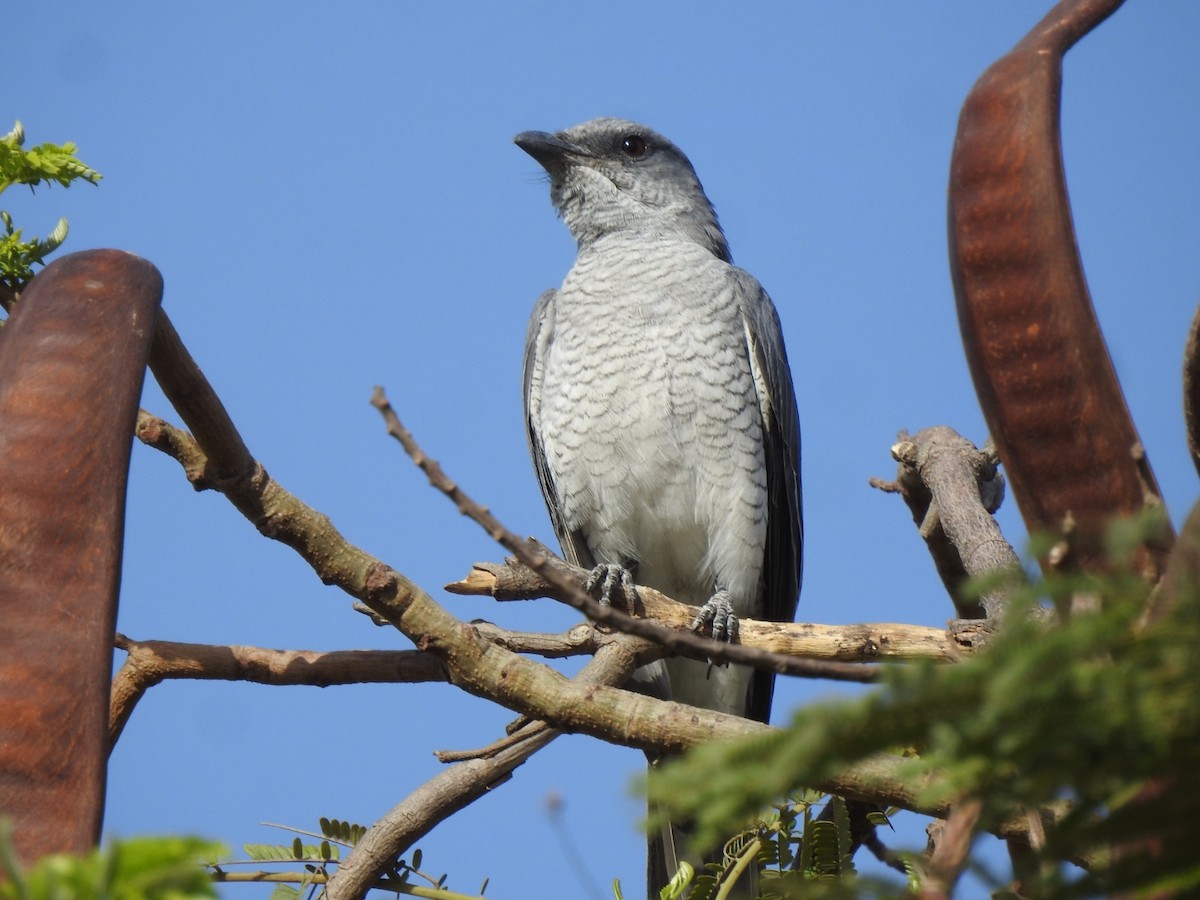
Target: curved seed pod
<point>1191,389</point>
<point>1040,365</point>
<point>72,360</point>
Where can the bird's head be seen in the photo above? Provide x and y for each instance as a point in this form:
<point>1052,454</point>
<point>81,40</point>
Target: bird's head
<point>609,176</point>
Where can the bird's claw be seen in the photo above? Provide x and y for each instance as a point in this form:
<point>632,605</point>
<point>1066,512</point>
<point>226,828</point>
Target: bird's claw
<point>608,580</point>
<point>718,616</point>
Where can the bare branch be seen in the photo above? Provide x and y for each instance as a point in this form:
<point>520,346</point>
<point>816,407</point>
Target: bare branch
<point>198,404</point>
<point>949,845</point>
<point>151,662</point>
<point>846,643</point>
<point>523,731</point>
<point>580,640</point>
<point>451,790</point>
<point>952,489</point>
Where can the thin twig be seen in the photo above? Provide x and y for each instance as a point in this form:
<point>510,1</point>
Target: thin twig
<point>524,733</point>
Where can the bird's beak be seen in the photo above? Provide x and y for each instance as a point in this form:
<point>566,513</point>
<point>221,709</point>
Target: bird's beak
<point>548,149</point>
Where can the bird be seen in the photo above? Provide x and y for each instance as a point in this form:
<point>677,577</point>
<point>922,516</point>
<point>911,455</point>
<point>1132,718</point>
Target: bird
<point>660,410</point>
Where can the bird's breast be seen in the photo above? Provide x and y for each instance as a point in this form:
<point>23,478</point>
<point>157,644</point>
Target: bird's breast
<point>651,423</point>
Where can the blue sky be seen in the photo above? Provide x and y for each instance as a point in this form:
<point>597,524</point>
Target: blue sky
<point>334,200</point>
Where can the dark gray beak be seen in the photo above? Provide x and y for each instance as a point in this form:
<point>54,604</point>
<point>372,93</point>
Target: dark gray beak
<point>548,149</point>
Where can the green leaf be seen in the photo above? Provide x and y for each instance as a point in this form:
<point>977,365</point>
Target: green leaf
<point>270,852</point>
<point>45,164</point>
<point>344,832</point>
<point>678,883</point>
<point>161,868</point>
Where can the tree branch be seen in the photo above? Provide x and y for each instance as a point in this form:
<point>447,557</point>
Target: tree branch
<point>846,643</point>
<point>952,489</point>
<point>456,787</point>
<point>950,843</point>
<point>151,662</point>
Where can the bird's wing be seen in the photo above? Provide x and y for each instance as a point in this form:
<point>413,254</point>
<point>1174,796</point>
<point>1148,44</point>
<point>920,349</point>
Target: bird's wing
<point>537,345</point>
<point>783,559</point>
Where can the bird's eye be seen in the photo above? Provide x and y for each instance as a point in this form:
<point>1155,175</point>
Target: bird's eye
<point>634,146</point>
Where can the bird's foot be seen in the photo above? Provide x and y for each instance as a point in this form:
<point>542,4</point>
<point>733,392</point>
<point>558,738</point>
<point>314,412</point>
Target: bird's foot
<point>718,616</point>
<point>608,580</point>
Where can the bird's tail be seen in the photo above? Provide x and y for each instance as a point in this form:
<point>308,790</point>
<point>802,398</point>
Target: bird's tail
<point>662,859</point>
<point>667,846</point>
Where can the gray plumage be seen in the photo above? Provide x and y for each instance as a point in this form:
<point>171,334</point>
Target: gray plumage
<point>658,399</point>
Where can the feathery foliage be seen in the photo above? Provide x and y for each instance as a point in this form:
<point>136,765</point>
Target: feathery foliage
<point>1094,720</point>
<point>44,164</point>
<point>151,868</point>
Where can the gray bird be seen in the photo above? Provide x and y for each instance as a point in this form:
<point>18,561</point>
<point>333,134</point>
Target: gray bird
<point>659,404</point>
